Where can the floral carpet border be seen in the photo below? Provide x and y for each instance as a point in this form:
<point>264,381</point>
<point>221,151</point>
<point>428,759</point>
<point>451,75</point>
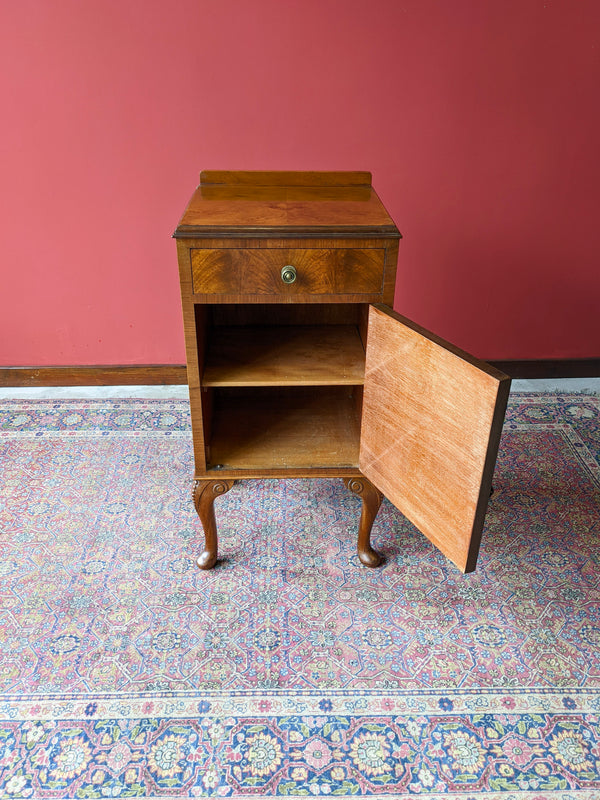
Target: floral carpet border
<point>94,417</point>
<point>526,745</point>
<point>487,744</point>
<point>531,756</point>
<point>182,705</point>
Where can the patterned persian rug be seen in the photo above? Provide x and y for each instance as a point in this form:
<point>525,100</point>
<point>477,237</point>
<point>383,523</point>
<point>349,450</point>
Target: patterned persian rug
<point>290,669</point>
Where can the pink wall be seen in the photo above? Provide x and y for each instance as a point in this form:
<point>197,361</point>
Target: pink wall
<point>479,120</point>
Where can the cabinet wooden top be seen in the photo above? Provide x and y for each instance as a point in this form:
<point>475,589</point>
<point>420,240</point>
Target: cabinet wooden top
<point>318,204</point>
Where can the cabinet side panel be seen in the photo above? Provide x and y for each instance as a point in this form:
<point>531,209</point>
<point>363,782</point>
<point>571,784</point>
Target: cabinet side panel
<point>194,326</point>
<point>390,269</point>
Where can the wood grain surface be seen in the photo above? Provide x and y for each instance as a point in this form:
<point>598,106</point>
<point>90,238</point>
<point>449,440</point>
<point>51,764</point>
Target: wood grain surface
<point>94,375</point>
<point>431,424</point>
<point>285,204</point>
<point>300,428</point>
<point>288,355</point>
<point>256,271</point>
<point>282,178</point>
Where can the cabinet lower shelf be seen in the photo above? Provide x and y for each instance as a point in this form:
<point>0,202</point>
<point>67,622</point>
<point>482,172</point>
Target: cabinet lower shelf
<point>296,428</point>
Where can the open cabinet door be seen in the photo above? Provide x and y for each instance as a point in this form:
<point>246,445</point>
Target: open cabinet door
<point>431,424</point>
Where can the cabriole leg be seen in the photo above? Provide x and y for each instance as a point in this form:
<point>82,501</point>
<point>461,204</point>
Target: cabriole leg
<point>205,493</point>
<point>371,500</point>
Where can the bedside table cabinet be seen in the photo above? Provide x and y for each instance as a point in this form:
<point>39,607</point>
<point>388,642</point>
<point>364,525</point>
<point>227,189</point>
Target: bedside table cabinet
<point>298,367</point>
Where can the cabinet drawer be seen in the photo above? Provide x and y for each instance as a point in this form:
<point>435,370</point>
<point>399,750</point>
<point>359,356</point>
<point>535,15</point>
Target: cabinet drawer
<point>256,271</point>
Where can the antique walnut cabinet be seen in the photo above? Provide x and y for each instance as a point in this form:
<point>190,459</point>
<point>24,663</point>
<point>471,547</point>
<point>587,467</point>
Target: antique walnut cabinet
<point>298,367</point>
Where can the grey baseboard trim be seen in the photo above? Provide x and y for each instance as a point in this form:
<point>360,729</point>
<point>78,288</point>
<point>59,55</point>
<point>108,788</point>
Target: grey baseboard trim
<point>563,368</point>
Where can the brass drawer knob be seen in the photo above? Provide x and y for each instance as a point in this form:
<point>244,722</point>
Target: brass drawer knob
<point>288,274</point>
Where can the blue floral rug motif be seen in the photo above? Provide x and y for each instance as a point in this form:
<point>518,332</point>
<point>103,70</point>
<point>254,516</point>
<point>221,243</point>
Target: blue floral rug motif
<point>290,669</point>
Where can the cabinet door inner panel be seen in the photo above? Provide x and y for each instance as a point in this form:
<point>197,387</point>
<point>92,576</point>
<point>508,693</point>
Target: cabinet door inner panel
<point>431,424</point>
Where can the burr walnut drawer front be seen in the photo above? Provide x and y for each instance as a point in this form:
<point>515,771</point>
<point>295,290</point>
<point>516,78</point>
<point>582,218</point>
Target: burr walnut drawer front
<point>283,271</point>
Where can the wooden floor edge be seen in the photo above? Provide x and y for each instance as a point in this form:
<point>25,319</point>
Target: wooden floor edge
<point>110,375</point>
<point>176,374</point>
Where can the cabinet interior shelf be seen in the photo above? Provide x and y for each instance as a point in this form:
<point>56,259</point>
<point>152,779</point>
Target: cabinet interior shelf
<point>299,427</point>
<point>284,355</point>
